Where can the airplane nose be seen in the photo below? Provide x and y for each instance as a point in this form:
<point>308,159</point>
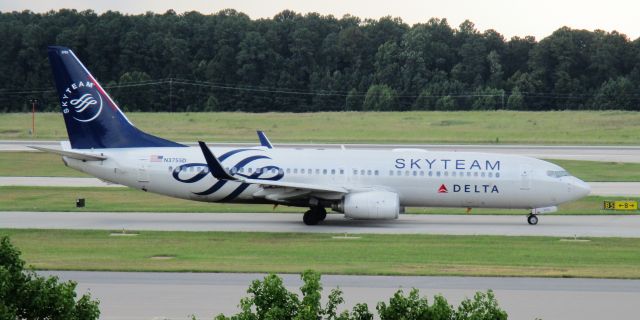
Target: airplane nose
<point>580,188</point>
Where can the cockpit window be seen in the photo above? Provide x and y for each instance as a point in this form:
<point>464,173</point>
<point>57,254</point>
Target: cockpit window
<point>557,173</point>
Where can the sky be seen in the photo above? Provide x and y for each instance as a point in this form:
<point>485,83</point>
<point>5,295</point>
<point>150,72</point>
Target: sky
<point>538,18</point>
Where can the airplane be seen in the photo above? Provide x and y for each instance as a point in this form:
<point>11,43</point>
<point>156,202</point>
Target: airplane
<point>361,184</point>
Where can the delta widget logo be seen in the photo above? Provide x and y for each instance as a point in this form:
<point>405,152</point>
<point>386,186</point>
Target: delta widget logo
<point>82,101</point>
<point>443,189</point>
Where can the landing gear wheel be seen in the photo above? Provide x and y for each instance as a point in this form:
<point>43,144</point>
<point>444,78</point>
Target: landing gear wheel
<point>314,215</point>
<point>532,219</point>
<point>310,218</point>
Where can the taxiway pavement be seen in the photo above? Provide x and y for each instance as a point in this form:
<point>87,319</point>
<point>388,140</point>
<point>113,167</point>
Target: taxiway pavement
<point>558,226</point>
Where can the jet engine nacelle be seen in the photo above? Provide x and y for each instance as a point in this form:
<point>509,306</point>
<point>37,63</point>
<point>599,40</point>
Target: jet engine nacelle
<point>374,205</point>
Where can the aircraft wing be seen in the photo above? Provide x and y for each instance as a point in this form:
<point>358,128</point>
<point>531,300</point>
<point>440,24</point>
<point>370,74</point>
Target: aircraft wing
<point>218,171</point>
<point>72,154</point>
<point>293,185</point>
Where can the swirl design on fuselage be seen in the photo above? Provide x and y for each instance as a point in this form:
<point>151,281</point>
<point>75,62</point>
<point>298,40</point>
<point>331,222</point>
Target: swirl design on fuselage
<point>270,172</point>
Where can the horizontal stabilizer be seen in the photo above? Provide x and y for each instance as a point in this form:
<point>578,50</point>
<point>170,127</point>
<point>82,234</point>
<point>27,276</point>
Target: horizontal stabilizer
<point>72,154</point>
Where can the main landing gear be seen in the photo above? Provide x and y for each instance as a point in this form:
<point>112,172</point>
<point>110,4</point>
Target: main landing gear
<point>314,215</point>
<point>532,219</point>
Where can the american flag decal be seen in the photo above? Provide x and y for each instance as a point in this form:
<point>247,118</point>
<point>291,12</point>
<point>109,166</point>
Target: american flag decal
<point>155,158</point>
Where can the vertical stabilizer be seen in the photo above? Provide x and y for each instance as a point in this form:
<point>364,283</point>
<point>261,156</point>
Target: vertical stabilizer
<point>93,119</point>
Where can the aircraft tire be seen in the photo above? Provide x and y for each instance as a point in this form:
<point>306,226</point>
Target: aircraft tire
<point>311,218</point>
<point>532,219</point>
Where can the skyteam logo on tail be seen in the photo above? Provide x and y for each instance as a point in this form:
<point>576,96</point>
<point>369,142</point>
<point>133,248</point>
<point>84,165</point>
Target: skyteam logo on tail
<point>82,101</point>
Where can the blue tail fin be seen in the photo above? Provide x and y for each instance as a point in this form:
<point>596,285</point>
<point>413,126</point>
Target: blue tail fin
<point>93,119</point>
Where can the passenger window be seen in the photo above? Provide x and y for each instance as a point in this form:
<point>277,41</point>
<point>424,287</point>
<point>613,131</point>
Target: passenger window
<point>170,169</point>
<point>318,171</point>
<point>430,173</point>
<point>422,173</point>
<point>415,173</point>
<point>333,171</point>
<point>438,173</point>
<point>490,174</point>
<point>399,172</point>
<point>469,174</point>
<point>362,172</point>
<point>390,172</point>
<point>497,174</point>
<point>341,171</point>
<point>295,170</point>
<point>446,173</point>
<point>406,173</point>
<point>368,172</point>
<point>324,171</point>
<point>482,174</point>
<point>453,174</point>
<point>355,172</point>
<point>475,174</point>
<point>375,172</point>
<point>288,170</point>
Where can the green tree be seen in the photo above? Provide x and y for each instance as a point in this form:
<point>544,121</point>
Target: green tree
<point>488,99</point>
<point>413,306</point>
<point>446,103</point>
<point>616,94</point>
<point>25,295</point>
<point>483,306</point>
<point>353,100</point>
<point>269,299</point>
<point>379,98</point>
<point>516,100</point>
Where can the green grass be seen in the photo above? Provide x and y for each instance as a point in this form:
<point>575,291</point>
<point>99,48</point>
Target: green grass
<point>594,171</point>
<point>562,127</point>
<point>128,200</point>
<point>293,253</point>
<point>40,164</point>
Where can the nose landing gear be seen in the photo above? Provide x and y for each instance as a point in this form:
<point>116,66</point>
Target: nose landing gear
<point>314,215</point>
<point>532,219</point>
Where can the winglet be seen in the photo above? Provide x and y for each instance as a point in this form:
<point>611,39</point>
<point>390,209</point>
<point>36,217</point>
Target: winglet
<point>264,141</point>
<point>214,165</point>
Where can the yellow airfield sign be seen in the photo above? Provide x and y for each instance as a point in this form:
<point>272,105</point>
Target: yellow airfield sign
<point>621,205</point>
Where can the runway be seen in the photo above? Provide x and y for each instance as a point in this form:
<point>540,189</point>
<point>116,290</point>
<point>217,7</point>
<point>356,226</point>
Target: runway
<point>557,226</point>
<point>626,189</point>
<point>592,153</point>
<point>135,296</point>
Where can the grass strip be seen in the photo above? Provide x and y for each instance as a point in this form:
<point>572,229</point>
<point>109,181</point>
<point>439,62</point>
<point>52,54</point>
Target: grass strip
<point>295,252</point>
<point>128,200</point>
<point>554,127</point>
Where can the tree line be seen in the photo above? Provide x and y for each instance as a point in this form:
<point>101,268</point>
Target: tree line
<point>304,63</point>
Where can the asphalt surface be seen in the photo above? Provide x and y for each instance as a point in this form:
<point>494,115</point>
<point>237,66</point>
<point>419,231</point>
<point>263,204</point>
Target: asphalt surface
<point>135,296</point>
<point>559,226</point>
<point>592,153</point>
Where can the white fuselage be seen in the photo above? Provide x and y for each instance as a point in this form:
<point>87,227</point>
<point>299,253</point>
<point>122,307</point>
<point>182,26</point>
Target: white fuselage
<point>421,178</point>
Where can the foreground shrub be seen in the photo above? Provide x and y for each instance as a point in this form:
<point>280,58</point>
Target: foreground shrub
<point>25,295</point>
<point>270,300</point>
